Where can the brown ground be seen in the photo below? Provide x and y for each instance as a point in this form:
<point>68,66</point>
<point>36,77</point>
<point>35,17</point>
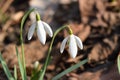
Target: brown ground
<point>96,22</point>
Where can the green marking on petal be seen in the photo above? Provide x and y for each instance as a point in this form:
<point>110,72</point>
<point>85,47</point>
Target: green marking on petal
<point>37,16</point>
<point>69,30</point>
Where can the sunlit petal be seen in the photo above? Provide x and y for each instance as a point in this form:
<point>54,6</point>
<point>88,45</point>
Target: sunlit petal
<point>41,32</point>
<point>79,42</point>
<point>31,31</point>
<point>63,44</point>
<point>47,29</point>
<point>72,46</point>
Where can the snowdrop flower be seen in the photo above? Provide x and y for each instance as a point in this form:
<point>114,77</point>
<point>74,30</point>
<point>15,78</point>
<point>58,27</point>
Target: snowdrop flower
<point>42,28</point>
<point>73,41</point>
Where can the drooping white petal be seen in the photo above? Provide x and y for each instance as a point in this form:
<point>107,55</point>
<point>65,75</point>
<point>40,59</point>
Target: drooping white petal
<point>47,29</point>
<point>31,31</point>
<point>72,46</point>
<point>41,32</point>
<point>62,47</point>
<point>79,42</point>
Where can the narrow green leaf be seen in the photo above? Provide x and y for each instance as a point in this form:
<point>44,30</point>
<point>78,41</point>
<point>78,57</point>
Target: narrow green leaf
<point>118,63</point>
<point>6,70</point>
<point>22,71</point>
<point>70,69</point>
<point>15,72</point>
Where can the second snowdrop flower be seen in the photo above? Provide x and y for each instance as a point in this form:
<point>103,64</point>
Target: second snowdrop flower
<point>73,41</point>
<point>42,28</point>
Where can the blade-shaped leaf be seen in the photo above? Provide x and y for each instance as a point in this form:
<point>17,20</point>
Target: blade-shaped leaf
<point>118,63</point>
<point>6,70</point>
<point>70,69</point>
<point>15,72</point>
<point>22,71</point>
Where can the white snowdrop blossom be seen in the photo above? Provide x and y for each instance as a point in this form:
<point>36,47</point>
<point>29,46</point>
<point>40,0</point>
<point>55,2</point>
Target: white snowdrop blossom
<point>73,41</point>
<point>42,28</point>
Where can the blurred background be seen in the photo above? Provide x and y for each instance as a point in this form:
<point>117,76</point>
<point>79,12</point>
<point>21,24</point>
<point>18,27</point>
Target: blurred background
<point>96,22</point>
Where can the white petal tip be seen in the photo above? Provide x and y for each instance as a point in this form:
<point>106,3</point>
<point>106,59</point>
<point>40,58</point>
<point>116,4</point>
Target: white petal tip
<point>61,51</point>
<point>51,35</point>
<point>29,38</point>
<point>73,55</point>
<point>43,43</point>
<point>82,47</point>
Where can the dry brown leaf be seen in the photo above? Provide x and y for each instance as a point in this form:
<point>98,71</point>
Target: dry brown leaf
<point>83,35</point>
<point>102,50</point>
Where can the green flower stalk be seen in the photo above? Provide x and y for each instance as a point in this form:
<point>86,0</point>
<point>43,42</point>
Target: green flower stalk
<point>24,75</point>
<point>49,51</point>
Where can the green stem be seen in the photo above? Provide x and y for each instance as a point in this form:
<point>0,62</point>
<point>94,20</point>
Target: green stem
<point>22,50</point>
<point>49,51</point>
<point>21,38</point>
